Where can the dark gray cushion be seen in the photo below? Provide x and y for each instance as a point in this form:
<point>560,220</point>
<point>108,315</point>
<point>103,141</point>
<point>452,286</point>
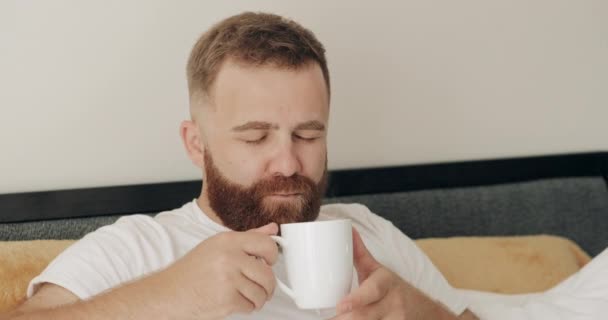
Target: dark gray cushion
<point>576,208</point>
<point>74,228</point>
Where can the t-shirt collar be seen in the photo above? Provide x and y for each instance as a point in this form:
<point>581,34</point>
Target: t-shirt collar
<point>204,218</point>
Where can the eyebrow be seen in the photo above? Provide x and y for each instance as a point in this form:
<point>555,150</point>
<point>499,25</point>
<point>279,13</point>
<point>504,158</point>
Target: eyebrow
<point>255,125</point>
<point>311,125</point>
<point>260,125</point>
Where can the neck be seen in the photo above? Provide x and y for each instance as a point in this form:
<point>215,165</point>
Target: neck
<point>203,204</point>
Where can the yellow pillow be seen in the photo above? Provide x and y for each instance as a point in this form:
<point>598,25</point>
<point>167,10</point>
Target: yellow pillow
<point>522,264</point>
<point>21,261</point>
<point>497,264</point>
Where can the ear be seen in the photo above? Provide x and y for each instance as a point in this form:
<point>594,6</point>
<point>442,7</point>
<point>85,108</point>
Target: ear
<point>193,142</point>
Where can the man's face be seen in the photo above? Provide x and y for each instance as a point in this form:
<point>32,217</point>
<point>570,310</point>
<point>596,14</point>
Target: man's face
<point>265,145</point>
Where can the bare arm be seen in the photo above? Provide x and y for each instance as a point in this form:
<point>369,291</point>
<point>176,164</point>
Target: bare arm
<point>431,309</point>
<point>383,294</point>
<point>48,296</point>
<point>468,315</point>
<point>214,280</point>
<point>135,301</point>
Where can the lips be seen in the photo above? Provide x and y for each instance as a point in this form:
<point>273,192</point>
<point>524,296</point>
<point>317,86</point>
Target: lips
<point>285,194</point>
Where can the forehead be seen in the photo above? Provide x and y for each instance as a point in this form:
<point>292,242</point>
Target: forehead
<point>242,92</point>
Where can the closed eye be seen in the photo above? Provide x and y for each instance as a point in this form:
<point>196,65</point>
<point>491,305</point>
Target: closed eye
<point>306,138</point>
<point>256,141</point>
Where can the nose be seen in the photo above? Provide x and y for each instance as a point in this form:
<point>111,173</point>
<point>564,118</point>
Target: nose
<point>286,161</point>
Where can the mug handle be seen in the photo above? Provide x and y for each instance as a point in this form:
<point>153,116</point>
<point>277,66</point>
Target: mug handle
<point>283,243</point>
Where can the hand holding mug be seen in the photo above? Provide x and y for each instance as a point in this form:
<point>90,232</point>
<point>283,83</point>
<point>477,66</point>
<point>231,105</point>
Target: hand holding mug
<point>382,294</point>
<point>221,276</point>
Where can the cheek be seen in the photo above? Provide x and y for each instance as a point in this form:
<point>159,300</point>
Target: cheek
<point>244,167</point>
<point>313,160</point>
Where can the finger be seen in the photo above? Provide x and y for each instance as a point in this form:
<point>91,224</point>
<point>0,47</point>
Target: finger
<point>270,229</point>
<point>259,245</point>
<point>371,291</point>
<point>242,304</point>
<point>369,312</point>
<point>362,258</point>
<point>253,292</point>
<point>259,272</point>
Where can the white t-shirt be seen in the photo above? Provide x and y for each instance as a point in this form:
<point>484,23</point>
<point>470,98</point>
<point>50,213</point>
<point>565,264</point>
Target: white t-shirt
<point>137,245</point>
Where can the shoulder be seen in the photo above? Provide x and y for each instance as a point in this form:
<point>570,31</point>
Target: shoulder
<point>131,247</point>
<point>139,237</point>
<point>149,223</point>
<point>346,210</point>
<point>361,216</point>
<point>377,232</point>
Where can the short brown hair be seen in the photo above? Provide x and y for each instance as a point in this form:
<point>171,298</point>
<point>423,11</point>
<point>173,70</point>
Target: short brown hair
<point>256,39</point>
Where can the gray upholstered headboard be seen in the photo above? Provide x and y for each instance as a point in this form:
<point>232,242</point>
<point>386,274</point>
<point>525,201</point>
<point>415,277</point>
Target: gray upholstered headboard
<point>565,195</point>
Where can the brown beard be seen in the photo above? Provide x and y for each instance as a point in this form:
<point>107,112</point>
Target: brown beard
<point>244,208</point>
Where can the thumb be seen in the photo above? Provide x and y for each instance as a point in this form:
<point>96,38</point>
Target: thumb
<point>270,229</point>
<point>362,258</point>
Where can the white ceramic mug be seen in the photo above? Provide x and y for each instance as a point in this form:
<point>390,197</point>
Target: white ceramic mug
<point>319,261</point>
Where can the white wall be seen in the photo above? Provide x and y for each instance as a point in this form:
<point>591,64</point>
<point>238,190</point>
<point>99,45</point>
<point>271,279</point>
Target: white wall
<point>92,92</point>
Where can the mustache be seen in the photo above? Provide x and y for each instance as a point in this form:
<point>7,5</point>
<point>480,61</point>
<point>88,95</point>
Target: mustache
<point>281,184</point>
